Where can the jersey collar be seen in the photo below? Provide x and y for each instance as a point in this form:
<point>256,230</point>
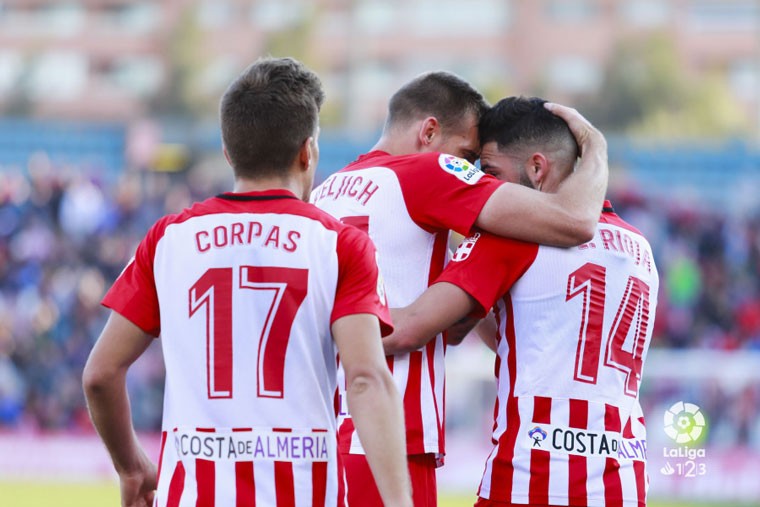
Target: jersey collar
<point>607,207</point>
<point>373,154</point>
<point>261,195</point>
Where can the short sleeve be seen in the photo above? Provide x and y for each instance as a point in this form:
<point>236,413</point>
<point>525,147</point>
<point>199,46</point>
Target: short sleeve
<point>444,192</point>
<point>487,266</point>
<point>133,295</point>
<point>360,287</point>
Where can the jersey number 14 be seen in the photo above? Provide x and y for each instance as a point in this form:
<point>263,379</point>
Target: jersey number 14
<point>590,282</point>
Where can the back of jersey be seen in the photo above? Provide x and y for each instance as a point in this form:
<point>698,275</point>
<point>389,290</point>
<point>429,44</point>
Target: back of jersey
<point>407,205</point>
<point>575,331</point>
<point>247,287</point>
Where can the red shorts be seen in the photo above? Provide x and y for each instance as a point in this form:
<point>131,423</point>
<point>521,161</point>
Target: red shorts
<point>483,502</point>
<point>362,491</point>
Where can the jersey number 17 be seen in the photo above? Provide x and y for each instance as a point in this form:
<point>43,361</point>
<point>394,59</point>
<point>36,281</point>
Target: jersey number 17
<point>213,293</point>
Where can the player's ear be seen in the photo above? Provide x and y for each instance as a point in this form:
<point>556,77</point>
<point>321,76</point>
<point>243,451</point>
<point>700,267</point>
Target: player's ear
<point>538,169</point>
<point>429,129</point>
<point>226,155</point>
<point>307,153</point>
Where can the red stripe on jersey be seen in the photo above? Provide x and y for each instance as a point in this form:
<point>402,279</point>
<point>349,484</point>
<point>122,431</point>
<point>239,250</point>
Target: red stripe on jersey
<point>245,482</point>
<point>538,491</point>
<point>161,455</point>
<point>341,479</point>
<point>628,430</point>
<point>542,410</point>
<point>613,489</point>
<point>611,418</point>
<point>503,468</point>
<point>577,465</point>
<point>318,483</point>
<point>413,404</point>
<point>640,469</point>
<point>283,484</point>
<point>438,257</point>
<point>245,485</point>
<point>345,433</point>
<point>205,477</point>
<point>176,486</point>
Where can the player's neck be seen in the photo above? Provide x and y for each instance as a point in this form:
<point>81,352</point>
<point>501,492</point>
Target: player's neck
<point>243,185</point>
<point>397,142</point>
<point>394,145</point>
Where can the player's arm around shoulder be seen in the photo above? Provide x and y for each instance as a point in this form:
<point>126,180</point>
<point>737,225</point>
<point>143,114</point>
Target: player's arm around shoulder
<point>375,405</point>
<point>104,381</point>
<point>441,306</point>
<point>565,218</point>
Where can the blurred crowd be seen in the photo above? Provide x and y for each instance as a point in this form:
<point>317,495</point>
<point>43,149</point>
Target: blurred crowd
<point>65,235</point>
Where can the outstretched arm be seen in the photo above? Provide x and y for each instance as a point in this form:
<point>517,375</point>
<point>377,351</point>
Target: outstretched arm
<point>375,405</point>
<point>438,308</point>
<point>104,380</point>
<point>565,218</point>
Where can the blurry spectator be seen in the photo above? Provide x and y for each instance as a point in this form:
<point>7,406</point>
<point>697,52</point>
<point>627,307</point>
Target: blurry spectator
<point>82,208</point>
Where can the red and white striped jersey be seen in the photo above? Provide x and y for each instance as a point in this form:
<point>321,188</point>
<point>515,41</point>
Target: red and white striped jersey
<point>574,329</point>
<point>243,289</point>
<point>408,204</point>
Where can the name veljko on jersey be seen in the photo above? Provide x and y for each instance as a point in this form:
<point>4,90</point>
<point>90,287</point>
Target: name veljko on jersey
<point>603,444</point>
<point>346,185</point>
<point>252,445</point>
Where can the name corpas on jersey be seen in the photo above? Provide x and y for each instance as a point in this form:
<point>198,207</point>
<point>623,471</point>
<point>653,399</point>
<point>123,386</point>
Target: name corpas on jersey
<point>600,444</point>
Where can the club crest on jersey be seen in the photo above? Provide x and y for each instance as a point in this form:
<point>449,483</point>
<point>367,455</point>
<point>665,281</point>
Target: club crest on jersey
<point>538,435</point>
<point>460,168</point>
<point>465,248</point>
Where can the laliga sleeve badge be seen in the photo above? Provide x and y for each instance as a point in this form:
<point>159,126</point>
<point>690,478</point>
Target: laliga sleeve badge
<point>460,168</point>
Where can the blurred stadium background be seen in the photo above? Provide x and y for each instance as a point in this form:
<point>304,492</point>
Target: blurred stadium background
<point>107,121</point>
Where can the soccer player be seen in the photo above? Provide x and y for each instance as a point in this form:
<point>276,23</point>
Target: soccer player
<point>251,291</point>
<point>574,326</point>
<point>408,193</point>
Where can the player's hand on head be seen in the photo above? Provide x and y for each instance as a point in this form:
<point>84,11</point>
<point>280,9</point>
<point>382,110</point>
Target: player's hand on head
<point>586,135</point>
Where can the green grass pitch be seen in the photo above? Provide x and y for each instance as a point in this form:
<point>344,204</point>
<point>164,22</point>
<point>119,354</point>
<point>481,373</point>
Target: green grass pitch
<point>105,494</point>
